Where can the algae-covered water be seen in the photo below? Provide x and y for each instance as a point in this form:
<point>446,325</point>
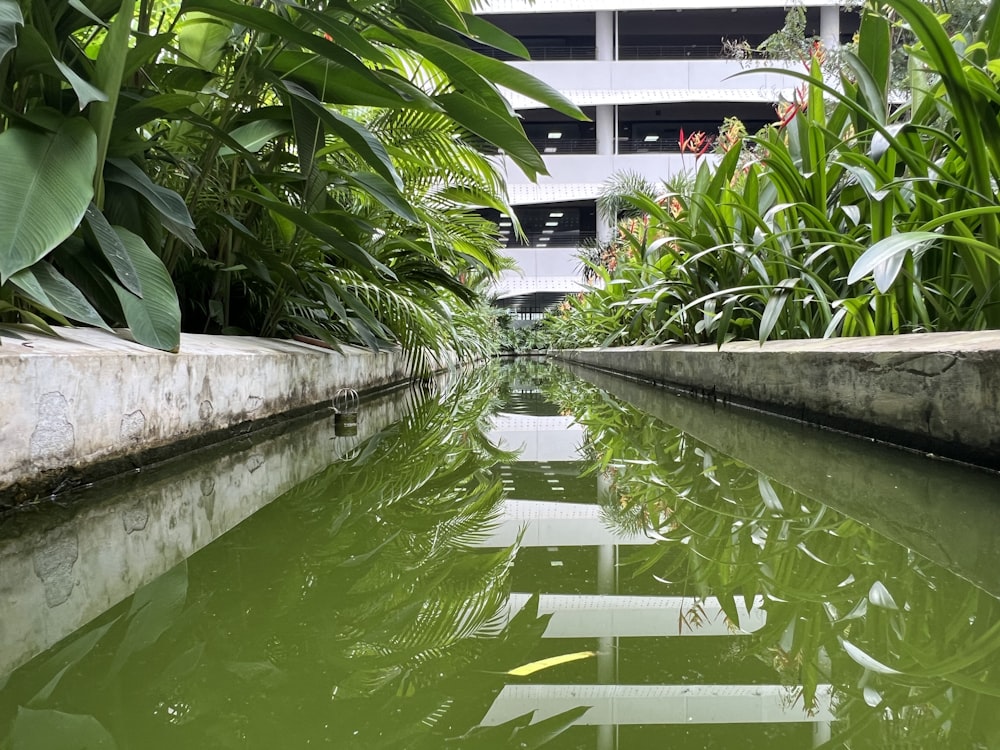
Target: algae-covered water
<point>512,558</point>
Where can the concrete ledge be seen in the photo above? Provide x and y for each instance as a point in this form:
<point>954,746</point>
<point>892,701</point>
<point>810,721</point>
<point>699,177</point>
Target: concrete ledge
<point>936,393</point>
<point>89,404</point>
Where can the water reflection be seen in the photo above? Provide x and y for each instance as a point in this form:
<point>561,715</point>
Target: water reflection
<point>908,649</point>
<point>618,583</point>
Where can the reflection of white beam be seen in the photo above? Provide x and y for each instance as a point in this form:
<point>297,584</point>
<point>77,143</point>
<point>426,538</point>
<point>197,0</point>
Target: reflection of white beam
<point>579,616</point>
<point>662,704</point>
<point>538,438</point>
<point>548,524</point>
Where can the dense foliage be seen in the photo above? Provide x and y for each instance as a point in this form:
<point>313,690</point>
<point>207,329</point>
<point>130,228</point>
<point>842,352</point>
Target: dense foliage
<point>295,168</point>
<point>863,211</point>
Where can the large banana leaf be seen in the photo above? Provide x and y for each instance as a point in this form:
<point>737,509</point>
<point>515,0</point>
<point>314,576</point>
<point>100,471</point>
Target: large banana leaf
<point>45,286</point>
<point>155,320</point>
<point>10,19</point>
<point>46,187</point>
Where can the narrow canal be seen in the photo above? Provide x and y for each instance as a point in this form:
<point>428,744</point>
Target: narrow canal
<point>517,557</point>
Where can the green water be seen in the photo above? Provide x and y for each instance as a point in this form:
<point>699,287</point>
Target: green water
<point>656,576</point>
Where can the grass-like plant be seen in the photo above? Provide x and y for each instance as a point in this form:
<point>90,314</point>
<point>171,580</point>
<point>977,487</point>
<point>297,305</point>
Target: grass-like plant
<point>853,215</point>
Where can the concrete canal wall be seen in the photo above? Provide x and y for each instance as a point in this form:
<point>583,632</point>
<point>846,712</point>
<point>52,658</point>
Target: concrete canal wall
<point>936,392</point>
<point>89,404</point>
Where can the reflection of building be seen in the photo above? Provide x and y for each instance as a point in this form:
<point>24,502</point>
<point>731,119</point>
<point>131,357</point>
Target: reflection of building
<point>643,681</point>
<point>643,70</point>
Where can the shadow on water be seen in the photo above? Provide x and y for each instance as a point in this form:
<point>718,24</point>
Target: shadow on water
<point>644,571</point>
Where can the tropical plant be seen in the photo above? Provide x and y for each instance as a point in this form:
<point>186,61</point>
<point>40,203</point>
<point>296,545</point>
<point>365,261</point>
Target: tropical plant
<point>851,217</point>
<point>299,169</point>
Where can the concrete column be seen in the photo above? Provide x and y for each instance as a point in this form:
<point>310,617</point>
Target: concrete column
<point>604,35</point>
<point>604,126</point>
<point>605,227</point>
<point>605,122</point>
<point>829,25</point>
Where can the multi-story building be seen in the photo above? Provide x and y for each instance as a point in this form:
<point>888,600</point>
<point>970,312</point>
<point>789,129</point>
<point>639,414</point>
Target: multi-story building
<point>642,70</point>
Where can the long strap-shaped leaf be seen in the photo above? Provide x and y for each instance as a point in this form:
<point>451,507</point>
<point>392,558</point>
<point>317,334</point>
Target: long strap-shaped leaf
<point>46,187</point>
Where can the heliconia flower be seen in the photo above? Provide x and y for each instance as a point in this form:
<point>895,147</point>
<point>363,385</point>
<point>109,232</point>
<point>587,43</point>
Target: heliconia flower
<point>787,110</point>
<point>697,143</point>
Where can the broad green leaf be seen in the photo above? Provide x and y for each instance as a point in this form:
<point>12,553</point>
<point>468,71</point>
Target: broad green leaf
<point>255,135</point>
<point>485,32</point>
<point>345,36</point>
<point>46,187</point>
<point>501,132</point>
<point>271,23</point>
<point>202,39</point>
<point>171,207</point>
<point>85,92</point>
<point>49,288</point>
<point>108,72</point>
<point>775,305</point>
<point>103,235</point>
<point>339,244</point>
<point>331,82</point>
<point>384,192</point>
<point>354,133</point>
<point>885,253</point>
<point>155,319</point>
<point>439,52</point>
<point>10,19</point>
<point>873,56</point>
<point>79,7</point>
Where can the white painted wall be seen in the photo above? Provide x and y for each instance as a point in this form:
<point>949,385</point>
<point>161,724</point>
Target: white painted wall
<point>634,75</point>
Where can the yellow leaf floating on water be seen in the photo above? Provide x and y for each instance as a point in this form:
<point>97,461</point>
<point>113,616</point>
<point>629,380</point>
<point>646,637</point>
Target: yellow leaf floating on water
<point>553,661</point>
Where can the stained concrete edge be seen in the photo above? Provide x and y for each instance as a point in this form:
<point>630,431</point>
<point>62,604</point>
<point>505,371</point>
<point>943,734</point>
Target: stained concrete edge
<point>90,399</point>
<point>936,393</point>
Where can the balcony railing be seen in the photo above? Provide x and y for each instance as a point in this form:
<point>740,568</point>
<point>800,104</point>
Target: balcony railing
<point>543,52</point>
<point>625,52</point>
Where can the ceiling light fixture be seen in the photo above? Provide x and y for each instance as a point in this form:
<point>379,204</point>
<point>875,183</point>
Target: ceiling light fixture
<point>651,138</point>
<point>556,215</point>
<point>555,134</point>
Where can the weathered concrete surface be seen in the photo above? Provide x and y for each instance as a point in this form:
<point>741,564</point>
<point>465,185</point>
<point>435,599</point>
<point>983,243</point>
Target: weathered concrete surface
<point>89,397</point>
<point>62,567</point>
<point>945,512</point>
<point>935,392</point>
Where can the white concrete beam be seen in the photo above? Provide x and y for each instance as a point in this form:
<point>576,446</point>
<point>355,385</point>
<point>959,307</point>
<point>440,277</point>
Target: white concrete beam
<point>662,704</point>
<point>583,616</point>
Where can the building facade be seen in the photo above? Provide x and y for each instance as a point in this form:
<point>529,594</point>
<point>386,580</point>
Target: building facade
<point>642,70</point>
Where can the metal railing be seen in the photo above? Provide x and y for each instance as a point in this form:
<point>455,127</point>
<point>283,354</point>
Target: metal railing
<point>565,145</point>
<point>625,52</point>
<point>545,52</point>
